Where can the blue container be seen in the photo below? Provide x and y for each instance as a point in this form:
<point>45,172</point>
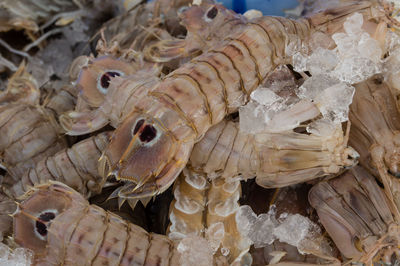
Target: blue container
<point>267,7</point>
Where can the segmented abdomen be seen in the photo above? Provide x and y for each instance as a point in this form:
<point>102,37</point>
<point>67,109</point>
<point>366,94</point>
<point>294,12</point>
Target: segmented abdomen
<point>27,134</point>
<point>277,159</point>
<point>219,81</point>
<point>75,166</point>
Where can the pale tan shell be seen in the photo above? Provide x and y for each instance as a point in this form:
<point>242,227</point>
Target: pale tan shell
<point>277,159</point>
<point>82,234</point>
<point>357,215</point>
<point>75,166</point>
<point>375,134</point>
<point>27,135</point>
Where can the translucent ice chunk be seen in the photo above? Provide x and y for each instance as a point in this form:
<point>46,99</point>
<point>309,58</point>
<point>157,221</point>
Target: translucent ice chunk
<point>299,62</point>
<point>353,24</point>
<point>293,229</point>
<point>331,96</point>
<point>357,55</point>
<point>251,117</point>
<point>346,45</point>
<point>265,97</point>
<point>261,233</point>
<point>195,250</point>
<point>334,102</point>
<point>259,229</point>
<point>369,48</point>
<point>245,218</point>
<point>322,61</point>
<point>356,69</point>
<point>315,85</point>
<point>16,257</point>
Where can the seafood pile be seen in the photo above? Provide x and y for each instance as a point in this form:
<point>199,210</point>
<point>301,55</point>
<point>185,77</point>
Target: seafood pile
<point>182,133</point>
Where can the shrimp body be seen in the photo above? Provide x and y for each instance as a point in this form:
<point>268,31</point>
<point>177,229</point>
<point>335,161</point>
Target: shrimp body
<point>75,166</point>
<point>60,226</point>
<point>375,133</point>
<point>151,146</point>
<point>28,134</point>
<point>358,216</point>
<point>277,159</point>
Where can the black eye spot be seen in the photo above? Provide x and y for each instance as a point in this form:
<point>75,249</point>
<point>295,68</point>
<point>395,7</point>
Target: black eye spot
<point>44,217</point>
<point>138,125</point>
<point>148,133</point>
<point>212,13</point>
<point>106,77</point>
<point>41,228</point>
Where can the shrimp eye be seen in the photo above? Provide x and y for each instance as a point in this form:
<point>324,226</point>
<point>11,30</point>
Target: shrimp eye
<point>41,228</point>
<point>148,133</point>
<point>212,13</point>
<point>104,80</point>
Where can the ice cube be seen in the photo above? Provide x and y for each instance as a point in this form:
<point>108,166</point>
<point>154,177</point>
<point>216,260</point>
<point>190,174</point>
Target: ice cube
<point>261,233</point>
<point>195,250</point>
<point>265,97</point>
<point>251,118</point>
<point>17,257</point>
<point>245,218</point>
<point>346,45</point>
<point>353,24</point>
<point>315,85</point>
<point>299,62</point>
<point>293,229</point>
<point>369,48</point>
<point>258,229</point>
<point>356,69</point>
<point>322,61</point>
<point>334,102</point>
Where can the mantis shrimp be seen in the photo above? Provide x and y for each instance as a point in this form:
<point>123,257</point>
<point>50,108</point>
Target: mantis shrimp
<point>161,120</point>
<point>375,134</point>
<point>276,159</point>
<point>358,216</point>
<point>60,226</point>
<point>75,166</point>
<point>29,132</point>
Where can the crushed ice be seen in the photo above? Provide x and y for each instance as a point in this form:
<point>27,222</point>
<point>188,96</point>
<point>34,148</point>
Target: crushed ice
<point>357,57</point>
<point>264,229</point>
<point>16,257</point>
